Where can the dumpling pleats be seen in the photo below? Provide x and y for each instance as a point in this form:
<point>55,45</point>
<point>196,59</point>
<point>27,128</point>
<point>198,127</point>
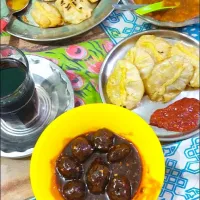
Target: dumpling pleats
<point>125,87</point>
<point>169,78</point>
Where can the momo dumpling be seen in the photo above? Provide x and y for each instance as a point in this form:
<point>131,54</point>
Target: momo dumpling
<point>192,54</point>
<point>46,15</point>
<point>142,60</point>
<point>74,12</point>
<point>125,87</point>
<point>157,47</point>
<point>169,78</point>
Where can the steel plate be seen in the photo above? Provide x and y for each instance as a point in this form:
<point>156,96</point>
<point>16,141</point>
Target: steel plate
<point>30,31</point>
<point>147,107</point>
<point>55,95</point>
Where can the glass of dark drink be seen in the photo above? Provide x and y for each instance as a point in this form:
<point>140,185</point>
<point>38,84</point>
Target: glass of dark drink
<point>18,96</point>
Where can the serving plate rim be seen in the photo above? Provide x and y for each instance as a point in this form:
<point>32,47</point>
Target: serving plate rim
<point>161,138</point>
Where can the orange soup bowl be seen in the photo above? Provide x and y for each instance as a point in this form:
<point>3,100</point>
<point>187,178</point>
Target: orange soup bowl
<point>90,118</point>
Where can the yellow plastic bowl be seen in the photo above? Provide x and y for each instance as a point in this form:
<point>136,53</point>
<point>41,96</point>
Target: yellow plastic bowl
<point>89,118</point>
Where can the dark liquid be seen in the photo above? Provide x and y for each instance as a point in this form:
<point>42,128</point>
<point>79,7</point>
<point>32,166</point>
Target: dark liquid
<point>11,79</point>
<point>130,167</point>
<point>18,95</point>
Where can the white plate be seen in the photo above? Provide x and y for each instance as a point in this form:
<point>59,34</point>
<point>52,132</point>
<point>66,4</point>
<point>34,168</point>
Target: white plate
<point>147,107</point>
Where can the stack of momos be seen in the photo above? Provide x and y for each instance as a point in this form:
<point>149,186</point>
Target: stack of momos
<point>165,70</point>
<point>48,15</point>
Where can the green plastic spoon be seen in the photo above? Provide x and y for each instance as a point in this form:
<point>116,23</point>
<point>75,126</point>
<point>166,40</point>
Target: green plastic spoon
<point>153,7</point>
<point>141,9</point>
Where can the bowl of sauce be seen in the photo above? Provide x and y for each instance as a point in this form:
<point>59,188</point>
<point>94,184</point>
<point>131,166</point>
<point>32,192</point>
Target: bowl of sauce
<point>186,13</point>
<point>98,165</point>
<point>97,151</point>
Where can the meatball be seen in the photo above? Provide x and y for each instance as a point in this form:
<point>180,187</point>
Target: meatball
<point>81,148</point>
<point>119,188</point>
<point>118,152</point>
<point>97,176</point>
<point>74,190</point>
<point>103,139</point>
<point>69,167</point>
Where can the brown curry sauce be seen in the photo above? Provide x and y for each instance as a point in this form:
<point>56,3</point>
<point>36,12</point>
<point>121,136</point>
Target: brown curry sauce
<point>181,116</point>
<point>187,9</point>
<point>108,168</point>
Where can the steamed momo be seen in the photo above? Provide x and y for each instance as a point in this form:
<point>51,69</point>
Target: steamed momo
<point>192,54</point>
<point>143,61</point>
<point>157,47</point>
<point>169,78</point>
<point>125,86</point>
<point>75,12</point>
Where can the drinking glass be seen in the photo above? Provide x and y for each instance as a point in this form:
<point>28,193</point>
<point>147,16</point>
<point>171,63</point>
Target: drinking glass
<point>18,96</point>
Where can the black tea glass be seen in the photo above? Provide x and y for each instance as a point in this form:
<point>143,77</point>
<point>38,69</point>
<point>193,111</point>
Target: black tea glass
<point>18,96</point>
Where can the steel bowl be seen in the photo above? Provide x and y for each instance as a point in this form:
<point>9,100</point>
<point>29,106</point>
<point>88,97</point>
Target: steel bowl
<point>164,24</point>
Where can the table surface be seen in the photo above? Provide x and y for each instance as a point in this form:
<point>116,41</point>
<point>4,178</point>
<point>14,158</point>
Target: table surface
<point>15,182</point>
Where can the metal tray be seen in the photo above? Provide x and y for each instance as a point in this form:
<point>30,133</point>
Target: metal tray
<point>164,24</point>
<point>30,31</point>
<point>55,95</point>
<point>147,107</point>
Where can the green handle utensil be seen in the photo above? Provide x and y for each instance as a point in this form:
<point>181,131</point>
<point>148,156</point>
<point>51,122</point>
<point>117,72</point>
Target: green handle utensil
<point>152,8</point>
<point>142,9</point>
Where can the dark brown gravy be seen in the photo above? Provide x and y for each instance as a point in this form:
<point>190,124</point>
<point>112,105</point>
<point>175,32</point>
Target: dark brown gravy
<point>130,166</point>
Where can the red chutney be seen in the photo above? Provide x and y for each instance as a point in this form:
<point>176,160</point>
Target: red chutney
<point>181,116</point>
